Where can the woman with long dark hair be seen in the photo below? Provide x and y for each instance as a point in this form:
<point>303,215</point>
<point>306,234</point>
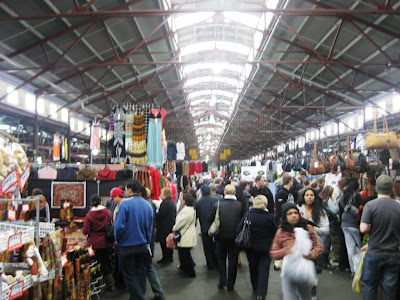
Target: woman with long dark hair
<point>283,244</point>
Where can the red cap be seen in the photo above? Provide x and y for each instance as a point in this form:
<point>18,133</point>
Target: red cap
<point>116,192</point>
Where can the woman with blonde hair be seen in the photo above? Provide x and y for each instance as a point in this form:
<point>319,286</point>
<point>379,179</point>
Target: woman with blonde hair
<point>262,232</point>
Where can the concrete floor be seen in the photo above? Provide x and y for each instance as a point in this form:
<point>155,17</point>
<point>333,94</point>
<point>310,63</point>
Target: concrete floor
<point>331,285</point>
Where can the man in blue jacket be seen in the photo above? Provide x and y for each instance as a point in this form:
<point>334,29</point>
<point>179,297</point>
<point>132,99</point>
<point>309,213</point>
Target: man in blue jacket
<point>133,231</point>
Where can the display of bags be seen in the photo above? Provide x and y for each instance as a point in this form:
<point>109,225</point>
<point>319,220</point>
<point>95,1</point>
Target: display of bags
<point>339,163</point>
<point>316,166</point>
<point>243,239</point>
<point>350,162</point>
<point>381,140</point>
<point>361,163</point>
<point>296,165</point>
<point>214,228</point>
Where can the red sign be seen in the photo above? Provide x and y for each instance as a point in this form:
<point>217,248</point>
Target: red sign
<point>9,183</point>
<point>17,290</point>
<point>15,241</point>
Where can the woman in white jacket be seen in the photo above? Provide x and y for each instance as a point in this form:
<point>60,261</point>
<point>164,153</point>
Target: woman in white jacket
<point>185,223</point>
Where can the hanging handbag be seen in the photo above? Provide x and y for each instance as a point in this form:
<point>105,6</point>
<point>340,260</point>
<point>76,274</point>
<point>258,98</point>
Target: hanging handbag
<point>110,232</point>
<point>339,163</point>
<point>287,164</point>
<point>361,163</point>
<point>243,239</point>
<point>214,228</point>
<point>296,165</point>
<point>306,162</point>
<point>350,162</point>
<point>316,166</point>
<point>381,140</point>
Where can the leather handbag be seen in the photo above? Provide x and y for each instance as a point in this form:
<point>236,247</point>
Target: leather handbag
<point>170,241</point>
<point>381,140</point>
<point>350,162</point>
<point>287,164</point>
<point>243,239</point>
<point>316,166</point>
<point>361,163</point>
<point>214,228</point>
<point>296,165</point>
<point>339,163</point>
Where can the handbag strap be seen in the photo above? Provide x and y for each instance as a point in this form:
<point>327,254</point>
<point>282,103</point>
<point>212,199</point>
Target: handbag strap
<point>194,217</point>
<point>315,151</point>
<point>385,124</point>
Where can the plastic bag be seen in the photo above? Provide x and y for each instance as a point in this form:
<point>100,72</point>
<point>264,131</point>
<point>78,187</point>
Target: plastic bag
<point>294,266</point>
<point>356,284</point>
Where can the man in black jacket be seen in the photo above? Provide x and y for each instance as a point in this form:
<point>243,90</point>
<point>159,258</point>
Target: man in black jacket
<point>283,195</point>
<point>260,189</point>
<point>165,220</point>
<point>204,208</point>
<point>230,212</point>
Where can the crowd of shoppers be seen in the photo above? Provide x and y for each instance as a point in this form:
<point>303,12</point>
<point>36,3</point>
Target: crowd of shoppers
<point>323,221</point>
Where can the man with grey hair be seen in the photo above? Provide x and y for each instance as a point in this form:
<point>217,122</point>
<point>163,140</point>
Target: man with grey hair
<point>220,188</point>
<point>213,190</point>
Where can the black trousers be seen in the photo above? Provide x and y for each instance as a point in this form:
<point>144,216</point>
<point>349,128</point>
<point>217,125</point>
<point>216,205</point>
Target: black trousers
<point>227,248</point>
<point>167,253</point>
<point>259,272</point>
<point>209,251</point>
<point>186,261</point>
<point>103,256</point>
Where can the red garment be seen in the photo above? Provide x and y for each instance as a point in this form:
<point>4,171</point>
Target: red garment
<point>199,167</point>
<point>156,187</point>
<point>192,168</point>
<point>106,174</point>
<point>95,227</point>
<point>173,190</point>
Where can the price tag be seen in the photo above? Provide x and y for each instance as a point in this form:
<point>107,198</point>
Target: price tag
<point>90,251</point>
<point>15,241</point>
<point>66,205</point>
<point>25,207</point>
<point>9,182</point>
<point>64,260</point>
<point>316,164</point>
<point>12,214</point>
<point>17,290</point>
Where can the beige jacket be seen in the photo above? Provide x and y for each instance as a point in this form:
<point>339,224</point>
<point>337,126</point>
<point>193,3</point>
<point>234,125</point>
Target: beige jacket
<point>185,222</point>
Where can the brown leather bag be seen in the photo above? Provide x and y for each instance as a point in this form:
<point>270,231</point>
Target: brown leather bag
<point>316,166</point>
<point>350,162</point>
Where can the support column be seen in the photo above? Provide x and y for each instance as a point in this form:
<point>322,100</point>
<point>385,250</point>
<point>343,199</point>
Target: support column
<point>36,131</point>
<point>106,149</point>
<point>69,138</point>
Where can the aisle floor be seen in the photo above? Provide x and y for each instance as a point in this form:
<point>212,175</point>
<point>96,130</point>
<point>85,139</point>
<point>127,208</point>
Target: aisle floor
<point>331,285</point>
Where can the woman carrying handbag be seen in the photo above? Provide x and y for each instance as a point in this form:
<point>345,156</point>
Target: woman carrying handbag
<point>185,234</point>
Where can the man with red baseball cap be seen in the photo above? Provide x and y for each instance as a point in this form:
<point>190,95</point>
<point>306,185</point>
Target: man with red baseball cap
<point>117,196</point>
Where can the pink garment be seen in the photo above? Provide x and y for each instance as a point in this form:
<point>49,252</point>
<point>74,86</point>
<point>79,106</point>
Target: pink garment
<point>47,173</point>
<point>173,189</point>
<point>95,136</point>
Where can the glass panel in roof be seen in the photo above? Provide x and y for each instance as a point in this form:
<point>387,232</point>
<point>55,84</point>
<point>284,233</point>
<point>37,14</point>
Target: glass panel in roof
<point>199,80</point>
<point>216,67</point>
<point>192,19</point>
<point>242,18</point>
<point>212,45</point>
<point>211,92</point>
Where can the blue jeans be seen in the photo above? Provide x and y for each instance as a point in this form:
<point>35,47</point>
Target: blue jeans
<point>376,269</point>
<point>353,243</point>
<point>153,278</point>
<point>134,270</point>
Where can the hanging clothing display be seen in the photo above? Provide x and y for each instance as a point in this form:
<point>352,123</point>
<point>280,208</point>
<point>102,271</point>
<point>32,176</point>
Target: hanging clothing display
<point>87,174</point>
<point>66,174</point>
<point>156,187</point>
<point>180,151</point>
<point>185,168</point>
<point>138,148</point>
<point>205,167</point>
<point>47,173</point>
<point>154,152</point>
<point>192,168</point>
<point>118,146</point>
<point>106,174</point>
<point>95,136</point>
<point>144,177</point>
<point>179,168</point>
<point>164,146</point>
<point>128,130</point>
<point>199,167</point>
<point>56,147</point>
<point>171,151</point>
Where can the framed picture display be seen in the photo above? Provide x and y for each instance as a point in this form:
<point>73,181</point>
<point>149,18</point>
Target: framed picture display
<point>72,191</point>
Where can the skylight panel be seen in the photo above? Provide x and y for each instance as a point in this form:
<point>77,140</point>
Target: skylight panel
<point>199,80</point>
<point>191,19</point>
<point>211,45</point>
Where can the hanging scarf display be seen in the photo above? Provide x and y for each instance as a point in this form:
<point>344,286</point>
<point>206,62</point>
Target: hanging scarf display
<point>128,130</point>
<point>56,147</point>
<point>118,146</point>
<point>154,150</point>
<point>95,136</point>
<point>138,148</point>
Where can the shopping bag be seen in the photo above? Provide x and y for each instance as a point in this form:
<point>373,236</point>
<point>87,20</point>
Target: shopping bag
<point>356,285</point>
<point>243,239</point>
<point>170,241</point>
<point>214,228</point>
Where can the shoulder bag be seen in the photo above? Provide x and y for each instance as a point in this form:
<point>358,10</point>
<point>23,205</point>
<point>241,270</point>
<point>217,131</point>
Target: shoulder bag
<point>316,166</point>
<point>243,239</point>
<point>381,140</point>
<point>214,228</point>
<point>175,237</point>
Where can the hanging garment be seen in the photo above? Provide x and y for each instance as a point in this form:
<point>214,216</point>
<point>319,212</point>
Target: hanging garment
<point>179,169</point>
<point>185,168</point>
<point>192,168</point>
<point>164,145</point>
<point>138,149</point>
<point>125,174</point>
<point>56,147</point>
<point>118,147</point>
<point>154,152</point>
<point>180,149</point>
<point>106,174</point>
<point>87,174</point>
<point>162,112</point>
<point>156,187</point>
<point>205,167</point>
<point>66,174</point>
<point>171,151</point>
<point>199,167</point>
<point>47,173</point>
<point>95,136</point>
<point>128,130</point>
